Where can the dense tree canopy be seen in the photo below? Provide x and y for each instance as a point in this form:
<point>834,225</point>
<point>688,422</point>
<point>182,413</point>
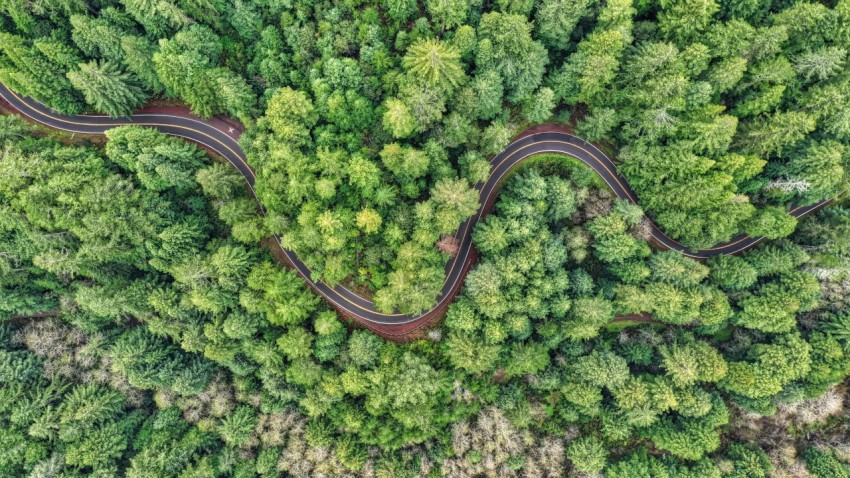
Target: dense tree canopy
<point>146,332</point>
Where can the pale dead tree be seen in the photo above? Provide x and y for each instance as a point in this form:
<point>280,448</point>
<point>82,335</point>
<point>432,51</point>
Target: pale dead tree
<point>599,203</point>
<point>164,398</point>
<point>246,453</point>
<point>50,467</point>
<point>814,410</point>
<point>46,338</point>
<point>771,432</point>
<point>135,397</point>
<point>326,464</point>
<point>215,401</point>
<point>193,415</point>
<point>787,463</point>
<point>821,63</point>
<point>409,456</point>
<point>648,336</point>
<point>489,445</point>
<point>548,457</point>
<point>274,428</point>
<point>462,394</point>
<point>299,459</point>
<point>663,118</point>
<point>583,474</point>
<point>789,185</point>
<point>448,244</point>
<point>643,229</point>
<point>623,337</point>
<point>368,470</point>
<point>835,295</point>
<point>826,273</point>
<point>70,353</point>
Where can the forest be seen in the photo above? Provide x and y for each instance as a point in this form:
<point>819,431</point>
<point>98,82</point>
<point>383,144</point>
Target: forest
<point>148,328</point>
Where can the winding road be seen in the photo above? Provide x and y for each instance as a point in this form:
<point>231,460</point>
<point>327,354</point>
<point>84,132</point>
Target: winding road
<point>218,136</point>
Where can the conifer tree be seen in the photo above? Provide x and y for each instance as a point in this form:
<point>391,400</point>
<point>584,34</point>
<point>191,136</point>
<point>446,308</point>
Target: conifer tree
<point>107,88</point>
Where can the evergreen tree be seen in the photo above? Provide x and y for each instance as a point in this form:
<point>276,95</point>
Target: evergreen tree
<point>435,61</point>
<point>107,88</point>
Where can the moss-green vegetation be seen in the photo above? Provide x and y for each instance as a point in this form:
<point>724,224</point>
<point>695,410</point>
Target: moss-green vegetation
<point>144,333</point>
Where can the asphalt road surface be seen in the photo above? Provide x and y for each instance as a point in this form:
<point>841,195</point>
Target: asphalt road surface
<point>217,136</point>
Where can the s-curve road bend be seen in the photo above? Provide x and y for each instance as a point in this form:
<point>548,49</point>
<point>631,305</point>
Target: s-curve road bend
<point>216,136</point>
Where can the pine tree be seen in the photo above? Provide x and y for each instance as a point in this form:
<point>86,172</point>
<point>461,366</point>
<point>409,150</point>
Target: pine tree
<point>401,10</point>
<point>538,107</point>
<point>29,72</point>
<point>436,62</point>
<point>107,88</point>
<point>138,56</point>
<point>235,95</point>
<point>59,53</point>
<point>159,17</point>
<point>776,133</point>
<point>555,20</point>
<point>448,13</point>
<point>97,38</point>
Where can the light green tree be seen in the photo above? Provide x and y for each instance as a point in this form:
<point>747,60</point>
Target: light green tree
<point>454,201</point>
<point>436,62</point>
<point>290,115</point>
<point>107,88</point>
<point>398,120</point>
<point>448,14</point>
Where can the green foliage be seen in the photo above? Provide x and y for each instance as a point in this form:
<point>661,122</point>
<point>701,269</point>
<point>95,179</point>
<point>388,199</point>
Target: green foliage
<point>152,362</point>
<point>30,72</point>
<point>748,461</point>
<point>159,162</point>
<point>436,62</point>
<point>642,465</point>
<point>398,119</point>
<point>771,367</point>
<point>278,294</point>
<point>771,222</point>
<point>823,464</point>
<point>193,354</point>
<point>693,362</point>
<point>673,267</point>
<point>505,45</point>
<point>187,66</point>
<point>690,438</point>
<point>86,428</point>
<point>237,426</point>
<point>602,369</point>
<point>732,273</point>
<point>18,367</point>
<point>587,454</point>
<point>772,307</point>
<point>107,88</point>
<point>166,444</point>
<point>290,114</point>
